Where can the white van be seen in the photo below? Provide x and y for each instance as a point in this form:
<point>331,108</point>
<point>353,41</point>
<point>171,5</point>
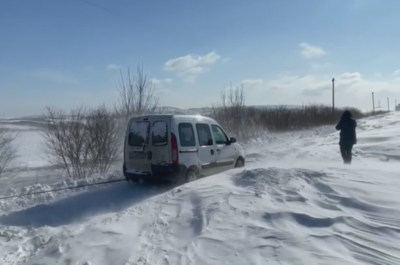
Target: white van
<point>177,148</point>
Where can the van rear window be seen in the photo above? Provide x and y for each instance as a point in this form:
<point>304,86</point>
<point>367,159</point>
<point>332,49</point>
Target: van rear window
<point>159,135</point>
<point>139,133</point>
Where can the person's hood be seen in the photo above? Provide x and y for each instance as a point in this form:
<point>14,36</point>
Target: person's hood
<point>347,115</point>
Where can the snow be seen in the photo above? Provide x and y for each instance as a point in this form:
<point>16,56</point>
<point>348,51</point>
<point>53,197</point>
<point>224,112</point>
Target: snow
<point>30,145</point>
<point>295,202</point>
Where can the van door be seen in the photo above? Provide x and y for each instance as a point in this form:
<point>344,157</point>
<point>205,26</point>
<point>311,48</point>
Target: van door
<point>137,147</point>
<point>188,150</point>
<point>225,154</point>
<point>206,149</point>
<point>160,141</point>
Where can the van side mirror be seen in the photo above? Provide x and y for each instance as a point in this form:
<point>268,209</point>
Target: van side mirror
<point>232,140</point>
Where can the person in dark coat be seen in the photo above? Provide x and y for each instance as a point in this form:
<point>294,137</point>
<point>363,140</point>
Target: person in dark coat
<point>347,127</point>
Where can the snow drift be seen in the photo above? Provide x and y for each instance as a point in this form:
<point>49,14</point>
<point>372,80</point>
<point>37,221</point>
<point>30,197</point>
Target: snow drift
<point>294,203</point>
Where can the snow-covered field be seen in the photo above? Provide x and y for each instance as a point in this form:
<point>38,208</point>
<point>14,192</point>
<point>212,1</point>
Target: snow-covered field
<point>294,203</point>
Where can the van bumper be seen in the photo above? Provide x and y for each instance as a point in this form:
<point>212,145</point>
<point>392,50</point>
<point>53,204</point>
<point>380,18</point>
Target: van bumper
<point>160,174</point>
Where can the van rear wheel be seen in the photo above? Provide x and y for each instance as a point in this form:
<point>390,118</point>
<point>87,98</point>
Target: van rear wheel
<point>191,176</point>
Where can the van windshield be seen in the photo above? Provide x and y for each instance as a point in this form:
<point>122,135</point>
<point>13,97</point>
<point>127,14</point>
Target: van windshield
<point>139,133</point>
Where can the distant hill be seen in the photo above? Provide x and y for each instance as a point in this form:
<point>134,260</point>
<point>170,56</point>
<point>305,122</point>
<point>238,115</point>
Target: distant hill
<point>23,120</point>
<point>206,110</point>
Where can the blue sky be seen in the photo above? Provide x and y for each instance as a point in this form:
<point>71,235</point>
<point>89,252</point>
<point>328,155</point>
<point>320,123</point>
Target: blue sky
<point>65,53</point>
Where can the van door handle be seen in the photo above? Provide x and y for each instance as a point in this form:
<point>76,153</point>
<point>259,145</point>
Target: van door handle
<point>218,150</point>
<point>212,151</point>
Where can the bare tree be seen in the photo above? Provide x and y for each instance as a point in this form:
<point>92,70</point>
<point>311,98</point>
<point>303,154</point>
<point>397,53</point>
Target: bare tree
<point>8,151</point>
<point>234,102</point>
<point>136,97</point>
<point>136,94</point>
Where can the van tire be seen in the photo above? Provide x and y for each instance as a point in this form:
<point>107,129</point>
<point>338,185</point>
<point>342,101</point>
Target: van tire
<point>191,176</point>
<point>239,162</point>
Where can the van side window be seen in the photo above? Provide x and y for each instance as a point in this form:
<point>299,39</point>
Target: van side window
<point>139,133</point>
<point>159,135</point>
<point>186,135</point>
<point>219,135</point>
<point>204,134</point>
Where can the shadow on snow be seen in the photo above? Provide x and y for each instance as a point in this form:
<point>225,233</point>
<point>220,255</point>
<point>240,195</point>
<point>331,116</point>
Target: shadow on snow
<point>78,207</point>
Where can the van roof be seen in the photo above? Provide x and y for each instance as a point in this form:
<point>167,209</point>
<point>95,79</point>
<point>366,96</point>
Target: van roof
<point>178,117</point>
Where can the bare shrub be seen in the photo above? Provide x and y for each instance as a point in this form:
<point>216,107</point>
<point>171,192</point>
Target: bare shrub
<point>102,128</point>
<point>288,119</point>
<point>8,151</point>
<point>82,141</point>
<point>247,122</point>
<point>67,143</point>
<point>236,118</point>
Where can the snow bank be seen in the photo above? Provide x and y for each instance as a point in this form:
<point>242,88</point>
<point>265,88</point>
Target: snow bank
<point>380,137</point>
<point>254,216</point>
<point>294,203</point>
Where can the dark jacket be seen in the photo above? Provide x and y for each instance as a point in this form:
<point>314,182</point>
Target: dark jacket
<point>347,126</point>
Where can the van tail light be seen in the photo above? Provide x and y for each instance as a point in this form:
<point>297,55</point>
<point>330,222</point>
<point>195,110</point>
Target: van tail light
<point>174,150</point>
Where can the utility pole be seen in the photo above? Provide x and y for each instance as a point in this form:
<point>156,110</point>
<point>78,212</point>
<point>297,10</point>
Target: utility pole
<point>388,104</point>
<point>333,95</point>
<point>373,102</point>
<point>395,104</point>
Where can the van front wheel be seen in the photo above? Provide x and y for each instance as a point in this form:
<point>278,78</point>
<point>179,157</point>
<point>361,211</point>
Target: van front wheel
<point>239,163</point>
